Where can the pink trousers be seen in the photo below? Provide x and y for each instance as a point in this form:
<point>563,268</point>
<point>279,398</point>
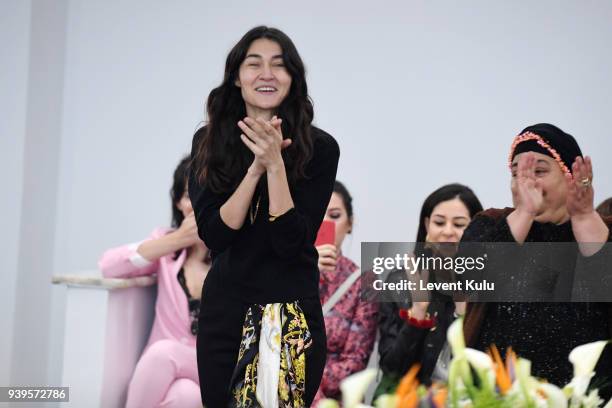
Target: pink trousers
<point>166,376</point>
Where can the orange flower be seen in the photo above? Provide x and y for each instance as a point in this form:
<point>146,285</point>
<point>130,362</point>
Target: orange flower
<point>440,396</point>
<point>503,376</point>
<point>407,389</point>
<point>410,400</point>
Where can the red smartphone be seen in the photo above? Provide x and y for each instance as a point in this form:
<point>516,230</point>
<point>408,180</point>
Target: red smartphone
<point>326,234</point>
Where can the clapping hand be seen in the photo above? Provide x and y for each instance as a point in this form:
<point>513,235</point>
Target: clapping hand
<point>527,189</point>
<point>580,188</point>
<point>265,140</point>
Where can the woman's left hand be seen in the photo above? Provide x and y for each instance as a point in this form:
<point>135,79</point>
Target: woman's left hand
<point>579,188</point>
<point>265,140</point>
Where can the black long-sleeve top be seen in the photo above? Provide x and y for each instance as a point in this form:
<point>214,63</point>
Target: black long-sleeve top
<point>269,261</point>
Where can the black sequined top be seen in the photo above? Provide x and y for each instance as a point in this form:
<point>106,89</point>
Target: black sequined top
<point>544,333</point>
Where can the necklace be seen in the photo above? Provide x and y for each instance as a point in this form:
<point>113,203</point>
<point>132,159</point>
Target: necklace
<point>253,215</point>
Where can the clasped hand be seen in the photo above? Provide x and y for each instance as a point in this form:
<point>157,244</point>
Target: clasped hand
<point>265,140</point>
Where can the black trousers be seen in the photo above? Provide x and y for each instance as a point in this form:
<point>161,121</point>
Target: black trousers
<point>220,332</point>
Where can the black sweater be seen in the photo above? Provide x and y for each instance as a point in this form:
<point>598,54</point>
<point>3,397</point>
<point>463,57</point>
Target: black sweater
<point>269,261</point>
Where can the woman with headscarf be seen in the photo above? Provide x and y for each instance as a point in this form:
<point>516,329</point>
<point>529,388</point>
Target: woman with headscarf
<point>552,192</point>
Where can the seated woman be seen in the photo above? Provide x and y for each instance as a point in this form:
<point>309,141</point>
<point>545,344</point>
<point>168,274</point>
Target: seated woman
<point>350,324</point>
<point>167,374</point>
<point>552,194</point>
<point>413,326</point>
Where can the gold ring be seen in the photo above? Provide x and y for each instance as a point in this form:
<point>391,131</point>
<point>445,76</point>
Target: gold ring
<point>586,182</point>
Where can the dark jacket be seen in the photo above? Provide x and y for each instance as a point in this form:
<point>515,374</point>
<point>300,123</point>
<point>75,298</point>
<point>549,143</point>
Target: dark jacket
<point>401,345</point>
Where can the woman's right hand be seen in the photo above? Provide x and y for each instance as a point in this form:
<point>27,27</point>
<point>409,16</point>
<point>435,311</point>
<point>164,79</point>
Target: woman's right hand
<point>327,257</point>
<point>526,188</point>
<point>188,231</point>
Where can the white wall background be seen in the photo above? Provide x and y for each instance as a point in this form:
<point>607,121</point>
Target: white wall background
<point>418,94</point>
<point>14,54</point>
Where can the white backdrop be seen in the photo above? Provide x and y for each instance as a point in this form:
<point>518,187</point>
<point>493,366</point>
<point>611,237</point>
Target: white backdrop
<point>418,94</point>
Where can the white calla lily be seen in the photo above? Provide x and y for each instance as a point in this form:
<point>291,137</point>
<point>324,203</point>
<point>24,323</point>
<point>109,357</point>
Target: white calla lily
<point>584,357</point>
<point>526,383</point>
<point>479,360</point>
<point>354,387</point>
<point>483,364</point>
<point>578,386</point>
<point>455,338</point>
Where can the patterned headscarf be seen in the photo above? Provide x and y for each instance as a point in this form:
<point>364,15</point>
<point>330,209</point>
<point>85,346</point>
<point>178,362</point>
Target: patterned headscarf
<point>549,140</point>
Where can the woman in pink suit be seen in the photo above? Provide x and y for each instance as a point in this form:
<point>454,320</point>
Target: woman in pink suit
<point>166,374</point>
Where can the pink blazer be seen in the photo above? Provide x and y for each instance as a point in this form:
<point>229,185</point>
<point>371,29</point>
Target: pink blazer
<point>172,319</point>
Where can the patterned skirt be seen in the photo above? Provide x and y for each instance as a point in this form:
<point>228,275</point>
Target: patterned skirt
<point>271,366</point>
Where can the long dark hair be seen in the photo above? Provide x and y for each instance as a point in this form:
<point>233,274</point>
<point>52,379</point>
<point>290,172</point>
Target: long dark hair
<point>179,185</point>
<point>445,193</point>
<point>347,199</point>
<point>220,156</point>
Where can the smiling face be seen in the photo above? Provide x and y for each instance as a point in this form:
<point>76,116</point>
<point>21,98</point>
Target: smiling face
<point>263,80</point>
<point>336,212</point>
<point>447,222</point>
<point>550,177</point>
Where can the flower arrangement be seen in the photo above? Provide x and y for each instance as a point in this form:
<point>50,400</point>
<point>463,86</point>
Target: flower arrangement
<point>499,384</point>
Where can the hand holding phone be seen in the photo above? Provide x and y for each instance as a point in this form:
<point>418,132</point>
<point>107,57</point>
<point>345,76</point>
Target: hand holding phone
<point>325,244</point>
<point>326,234</point>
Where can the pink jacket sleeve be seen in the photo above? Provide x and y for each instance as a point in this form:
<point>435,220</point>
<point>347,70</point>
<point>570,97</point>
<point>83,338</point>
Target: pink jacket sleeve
<point>125,262</point>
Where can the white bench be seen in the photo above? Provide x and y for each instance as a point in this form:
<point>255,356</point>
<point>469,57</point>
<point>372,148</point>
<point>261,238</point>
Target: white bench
<point>107,325</point>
